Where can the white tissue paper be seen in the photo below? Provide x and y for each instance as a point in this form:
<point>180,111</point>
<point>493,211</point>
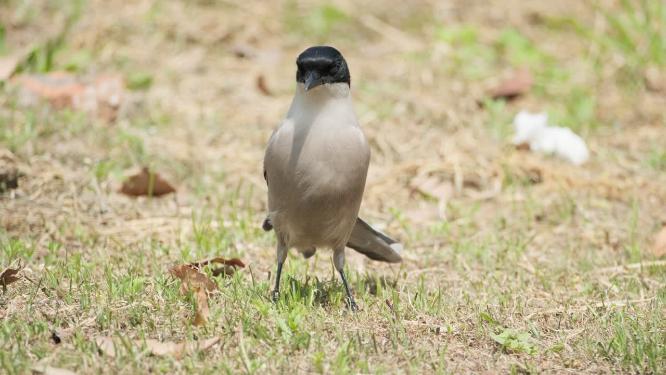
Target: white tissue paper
<point>533,129</point>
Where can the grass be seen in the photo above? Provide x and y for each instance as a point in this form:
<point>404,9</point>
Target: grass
<point>521,279</point>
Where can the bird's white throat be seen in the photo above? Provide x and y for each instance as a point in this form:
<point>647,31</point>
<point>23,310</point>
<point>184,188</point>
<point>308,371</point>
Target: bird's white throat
<point>325,91</point>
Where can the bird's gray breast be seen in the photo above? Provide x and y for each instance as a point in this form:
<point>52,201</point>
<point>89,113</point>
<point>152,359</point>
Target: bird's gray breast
<point>316,174</point>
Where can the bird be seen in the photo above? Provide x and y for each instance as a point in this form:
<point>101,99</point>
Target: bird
<point>315,167</point>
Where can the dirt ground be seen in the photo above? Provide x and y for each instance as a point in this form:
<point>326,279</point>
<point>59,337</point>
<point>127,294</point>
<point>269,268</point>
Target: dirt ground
<point>514,261</point>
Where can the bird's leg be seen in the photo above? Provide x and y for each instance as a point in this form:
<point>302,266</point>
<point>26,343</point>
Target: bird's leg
<point>281,257</point>
<point>339,262</point>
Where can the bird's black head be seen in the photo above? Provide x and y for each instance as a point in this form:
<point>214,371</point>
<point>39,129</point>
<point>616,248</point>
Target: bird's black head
<point>319,65</point>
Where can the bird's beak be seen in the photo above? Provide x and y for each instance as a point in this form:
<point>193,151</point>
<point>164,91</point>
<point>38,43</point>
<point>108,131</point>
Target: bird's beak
<point>312,80</point>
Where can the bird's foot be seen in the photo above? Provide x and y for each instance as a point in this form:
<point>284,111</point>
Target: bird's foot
<point>352,304</point>
<point>275,295</point>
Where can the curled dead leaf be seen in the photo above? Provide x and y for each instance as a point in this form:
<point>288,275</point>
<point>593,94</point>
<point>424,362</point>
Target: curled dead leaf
<point>513,87</point>
<point>228,268</point>
<point>101,95</point>
<point>199,284</point>
<point>146,183</point>
<point>235,262</point>
<point>192,278</point>
<point>202,310</point>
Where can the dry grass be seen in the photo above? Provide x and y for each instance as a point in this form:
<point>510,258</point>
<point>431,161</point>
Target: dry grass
<point>523,243</point>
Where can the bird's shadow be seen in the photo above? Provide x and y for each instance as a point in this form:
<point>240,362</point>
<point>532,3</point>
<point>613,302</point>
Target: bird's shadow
<point>316,292</point>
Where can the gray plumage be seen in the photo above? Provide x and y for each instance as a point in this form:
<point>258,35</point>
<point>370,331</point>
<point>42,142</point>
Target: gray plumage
<point>316,165</point>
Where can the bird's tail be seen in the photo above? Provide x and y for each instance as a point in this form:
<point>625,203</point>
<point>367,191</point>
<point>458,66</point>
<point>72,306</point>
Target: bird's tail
<point>374,244</point>
<point>367,241</point>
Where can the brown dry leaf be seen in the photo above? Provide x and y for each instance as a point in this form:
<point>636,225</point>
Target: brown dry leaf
<point>192,278</point>
<point>48,370</point>
<point>659,246</point>
<point>513,87</point>
<point>202,311</point>
<point>8,65</point>
<point>224,270</point>
<point>158,348</point>
<point>262,86</point>
<point>199,284</point>
<point>235,262</point>
<point>101,95</point>
<point>228,269</point>
<point>58,88</point>
<point>9,276</point>
<point>523,146</point>
<point>146,183</point>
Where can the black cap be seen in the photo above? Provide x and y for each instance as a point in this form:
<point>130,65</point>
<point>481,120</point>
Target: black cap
<point>321,64</point>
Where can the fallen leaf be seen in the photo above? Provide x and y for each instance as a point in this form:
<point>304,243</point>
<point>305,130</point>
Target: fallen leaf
<point>262,86</point>
<point>199,284</point>
<point>659,246</point>
<point>48,370</point>
<point>8,65</point>
<point>158,348</point>
<point>9,276</point>
<point>513,87</point>
<point>146,183</point>
<point>224,270</point>
<point>192,278</point>
<point>523,146</point>
<point>100,95</point>
<point>58,88</point>
<point>228,269</point>
<point>235,262</point>
<point>202,310</point>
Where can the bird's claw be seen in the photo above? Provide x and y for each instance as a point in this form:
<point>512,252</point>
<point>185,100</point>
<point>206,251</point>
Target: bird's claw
<point>275,295</point>
<point>352,305</point>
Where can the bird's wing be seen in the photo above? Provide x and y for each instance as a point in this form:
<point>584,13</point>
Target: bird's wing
<point>374,244</point>
<point>267,225</point>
